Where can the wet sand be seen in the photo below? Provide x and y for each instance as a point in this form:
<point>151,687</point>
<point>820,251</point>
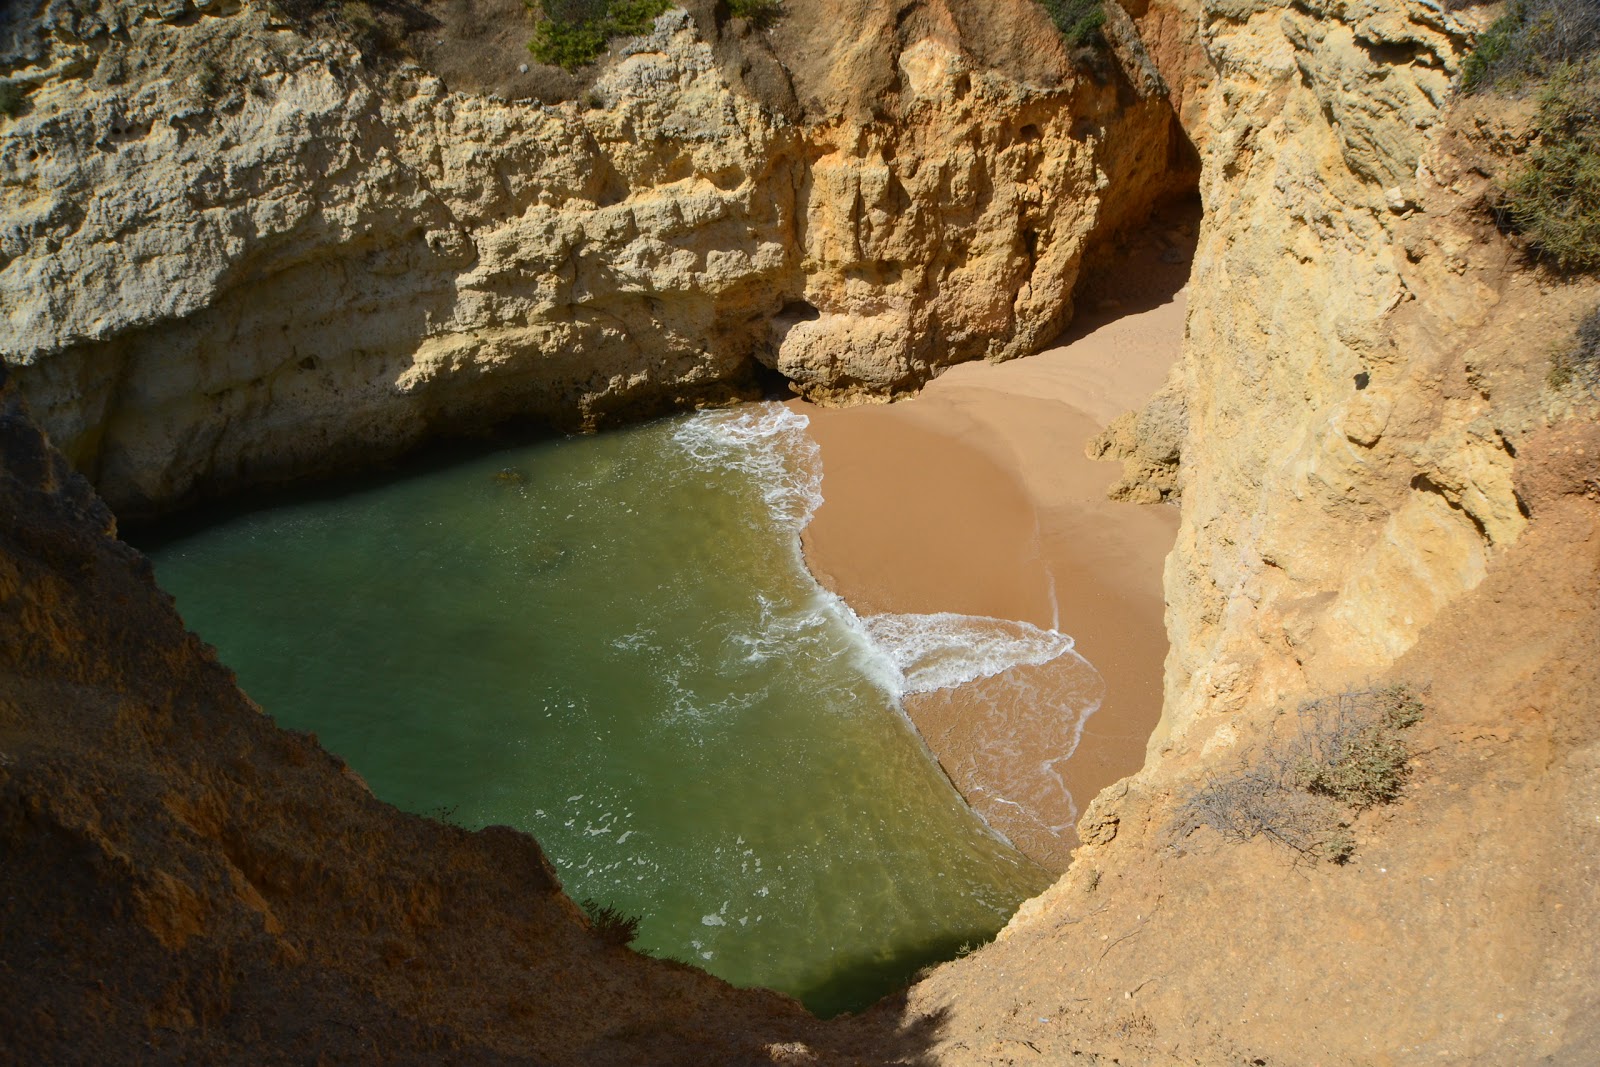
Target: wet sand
<point>975,497</point>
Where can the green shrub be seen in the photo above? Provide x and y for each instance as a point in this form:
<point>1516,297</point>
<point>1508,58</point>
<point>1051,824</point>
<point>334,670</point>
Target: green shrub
<point>575,32</point>
<point>1555,200</point>
<point>1350,747</point>
<point>610,924</point>
<point>1080,21</point>
<point>12,99</point>
<point>1369,769</point>
<point>1342,754</point>
<point>1532,39</point>
<point>759,13</point>
<point>568,45</point>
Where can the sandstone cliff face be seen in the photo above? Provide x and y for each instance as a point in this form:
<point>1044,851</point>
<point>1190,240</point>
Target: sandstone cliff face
<point>232,254</point>
<point>1326,392</point>
<point>1377,485</point>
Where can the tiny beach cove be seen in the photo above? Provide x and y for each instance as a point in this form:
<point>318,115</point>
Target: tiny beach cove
<point>800,532</point>
<point>706,660</point>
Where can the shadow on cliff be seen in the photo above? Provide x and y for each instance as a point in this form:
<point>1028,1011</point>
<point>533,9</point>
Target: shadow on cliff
<point>186,882</point>
<point>431,457</point>
<point>1141,270</point>
<point>854,978</point>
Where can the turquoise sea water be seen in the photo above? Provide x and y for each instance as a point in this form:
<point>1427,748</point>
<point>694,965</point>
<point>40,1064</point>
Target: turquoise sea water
<point>612,643</point>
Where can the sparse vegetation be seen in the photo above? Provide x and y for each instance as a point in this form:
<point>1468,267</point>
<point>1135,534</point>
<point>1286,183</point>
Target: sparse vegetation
<point>372,35</point>
<point>1555,200</point>
<point>1341,755</point>
<point>610,924</point>
<point>759,13</point>
<point>210,79</point>
<point>575,32</point>
<point>1532,40</point>
<point>1581,361</point>
<point>1551,47</point>
<point>12,99</point>
<point>1080,21</point>
<point>377,28</point>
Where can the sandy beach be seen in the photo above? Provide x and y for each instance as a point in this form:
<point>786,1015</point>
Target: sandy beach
<point>975,497</point>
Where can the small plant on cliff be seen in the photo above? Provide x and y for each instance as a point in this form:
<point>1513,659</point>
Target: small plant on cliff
<point>610,924</point>
<point>370,33</point>
<point>1552,46</point>
<point>1351,747</point>
<point>210,79</point>
<point>759,13</point>
<point>575,32</point>
<point>1530,41</point>
<point>377,28</point>
<point>1580,362</point>
<point>1555,201</point>
<point>1341,755</point>
<point>1080,21</point>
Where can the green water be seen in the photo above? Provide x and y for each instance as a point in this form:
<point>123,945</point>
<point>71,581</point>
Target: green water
<point>611,642</point>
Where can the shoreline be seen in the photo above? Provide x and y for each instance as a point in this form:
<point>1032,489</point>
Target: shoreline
<point>975,497</point>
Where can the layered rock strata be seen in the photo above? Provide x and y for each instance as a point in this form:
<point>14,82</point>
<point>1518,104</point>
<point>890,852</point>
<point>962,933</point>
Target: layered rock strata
<point>231,254</point>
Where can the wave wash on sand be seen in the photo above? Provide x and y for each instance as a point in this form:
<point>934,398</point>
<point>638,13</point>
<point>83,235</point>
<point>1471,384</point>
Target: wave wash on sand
<point>1011,699</point>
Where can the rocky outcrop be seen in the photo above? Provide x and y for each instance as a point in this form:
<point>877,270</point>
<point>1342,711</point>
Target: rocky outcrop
<point>1149,442</point>
<point>1327,375</point>
<point>231,254</point>
<point>1378,485</point>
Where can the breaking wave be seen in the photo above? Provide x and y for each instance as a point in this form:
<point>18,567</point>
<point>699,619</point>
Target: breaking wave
<point>768,443</point>
<point>902,653</point>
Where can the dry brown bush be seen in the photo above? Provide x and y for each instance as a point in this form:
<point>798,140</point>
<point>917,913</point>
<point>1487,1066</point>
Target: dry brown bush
<point>1337,756</point>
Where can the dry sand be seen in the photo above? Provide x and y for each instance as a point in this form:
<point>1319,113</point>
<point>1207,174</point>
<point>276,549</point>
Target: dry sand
<point>975,497</point>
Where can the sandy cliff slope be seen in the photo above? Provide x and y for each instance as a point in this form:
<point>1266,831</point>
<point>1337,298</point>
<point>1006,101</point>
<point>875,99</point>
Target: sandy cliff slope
<point>1379,485</point>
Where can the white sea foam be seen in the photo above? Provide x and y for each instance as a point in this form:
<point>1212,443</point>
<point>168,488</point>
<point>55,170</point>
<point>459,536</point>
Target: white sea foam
<point>945,650</point>
<point>902,654</point>
<point>1016,678</point>
<point>769,443</point>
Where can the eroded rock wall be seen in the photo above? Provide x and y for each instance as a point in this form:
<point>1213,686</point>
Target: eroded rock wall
<point>1345,471</point>
<point>1378,485</point>
<point>231,254</point>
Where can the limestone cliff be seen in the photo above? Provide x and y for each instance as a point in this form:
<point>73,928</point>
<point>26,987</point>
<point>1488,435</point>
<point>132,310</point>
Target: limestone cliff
<point>230,253</point>
<point>1378,485</point>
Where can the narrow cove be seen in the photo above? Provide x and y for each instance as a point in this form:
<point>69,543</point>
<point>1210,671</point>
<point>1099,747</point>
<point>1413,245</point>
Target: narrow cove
<point>612,643</point>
